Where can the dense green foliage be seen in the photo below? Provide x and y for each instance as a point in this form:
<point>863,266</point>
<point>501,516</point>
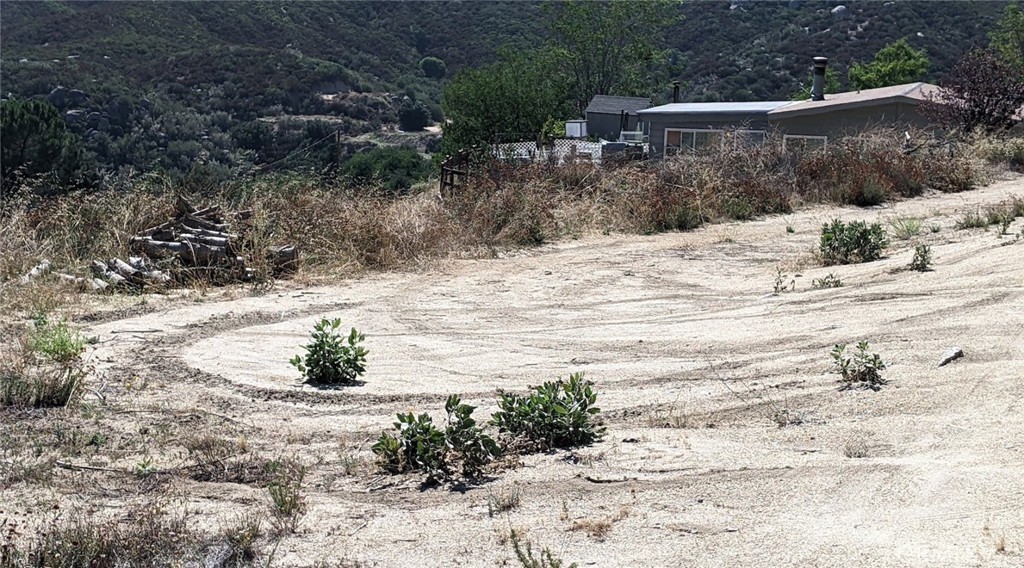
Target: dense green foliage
<point>55,341</point>
<point>394,169</point>
<point>850,243</point>
<point>418,445</point>
<point>433,67</point>
<point>510,99</point>
<point>860,367</point>
<point>609,48</point>
<point>1008,37</point>
<point>895,64</point>
<point>557,414</point>
<point>413,116</point>
<point>35,141</point>
<point>331,358</point>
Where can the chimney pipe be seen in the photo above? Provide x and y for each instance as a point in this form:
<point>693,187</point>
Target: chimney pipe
<point>675,91</point>
<point>818,88</point>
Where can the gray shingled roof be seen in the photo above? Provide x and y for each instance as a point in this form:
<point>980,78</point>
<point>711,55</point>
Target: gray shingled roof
<point>607,104</point>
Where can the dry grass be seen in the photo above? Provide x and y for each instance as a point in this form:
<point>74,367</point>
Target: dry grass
<point>342,232</point>
<point>600,528</point>
<point>1000,151</point>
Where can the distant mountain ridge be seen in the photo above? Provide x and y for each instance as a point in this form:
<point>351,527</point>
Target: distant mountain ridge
<point>168,85</point>
<point>740,49</point>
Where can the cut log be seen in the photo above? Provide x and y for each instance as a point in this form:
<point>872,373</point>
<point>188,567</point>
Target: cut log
<point>211,213</point>
<point>161,227</point>
<point>285,258</point>
<point>208,233</point>
<point>124,269</point>
<point>182,206</point>
<point>205,240</point>
<point>191,253</point>
<point>38,270</point>
<point>157,277</point>
<point>99,268</point>
<point>199,223</point>
<point>84,283</point>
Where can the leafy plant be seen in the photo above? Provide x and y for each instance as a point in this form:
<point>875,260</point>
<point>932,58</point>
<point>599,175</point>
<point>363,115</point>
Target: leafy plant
<point>55,341</point>
<point>780,282</point>
<point>843,243</point>
<point>524,554</point>
<point>421,446</point>
<point>922,260</point>
<point>972,220</point>
<point>828,281</point>
<point>503,502</point>
<point>904,228</point>
<point>895,64</point>
<point>859,367</point>
<point>470,445</point>
<point>558,414</point>
<point>332,359</point>
<point>287,503</point>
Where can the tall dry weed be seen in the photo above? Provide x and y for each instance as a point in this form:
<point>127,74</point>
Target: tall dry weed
<point>340,230</point>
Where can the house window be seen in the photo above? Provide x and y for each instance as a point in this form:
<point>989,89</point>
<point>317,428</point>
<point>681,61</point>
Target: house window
<point>748,138</point>
<point>677,139</point>
<point>799,144</point>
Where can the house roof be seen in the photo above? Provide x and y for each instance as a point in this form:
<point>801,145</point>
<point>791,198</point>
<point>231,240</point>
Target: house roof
<point>909,93</point>
<point>607,104</point>
<point>760,107</point>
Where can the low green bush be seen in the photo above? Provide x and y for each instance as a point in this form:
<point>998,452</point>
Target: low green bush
<point>828,281</point>
<point>850,243</point>
<point>40,387</point>
<point>922,260</point>
<point>55,341</point>
<point>558,414</point>
<point>419,445</point>
<point>332,359</point>
<point>861,367</point>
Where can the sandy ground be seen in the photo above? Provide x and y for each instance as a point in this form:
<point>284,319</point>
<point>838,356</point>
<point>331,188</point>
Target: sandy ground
<point>692,356</point>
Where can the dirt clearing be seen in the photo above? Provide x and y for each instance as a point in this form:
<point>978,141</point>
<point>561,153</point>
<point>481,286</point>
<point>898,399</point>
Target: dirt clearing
<point>696,363</point>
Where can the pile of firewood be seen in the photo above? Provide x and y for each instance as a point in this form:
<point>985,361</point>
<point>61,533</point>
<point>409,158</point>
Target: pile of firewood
<point>196,245</point>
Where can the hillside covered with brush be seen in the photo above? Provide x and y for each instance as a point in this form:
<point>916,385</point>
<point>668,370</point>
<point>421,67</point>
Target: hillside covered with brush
<point>223,86</point>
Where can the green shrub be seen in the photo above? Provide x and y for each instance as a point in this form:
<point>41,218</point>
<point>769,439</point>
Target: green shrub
<point>287,502</point>
<point>557,415</point>
<point>29,379</point>
<point>904,228</point>
<point>972,220</point>
<point>395,169</point>
<point>433,67</point>
<point>329,360</point>
<point>419,445</point>
<point>860,367</point>
<point>922,260</point>
<point>829,281</point>
<point>42,386</point>
<point>524,554</point>
<point>843,243</point>
<point>55,341</point>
